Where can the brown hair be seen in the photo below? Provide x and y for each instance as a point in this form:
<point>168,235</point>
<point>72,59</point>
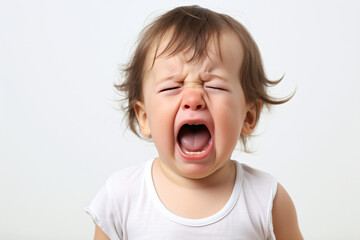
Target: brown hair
<point>193,27</point>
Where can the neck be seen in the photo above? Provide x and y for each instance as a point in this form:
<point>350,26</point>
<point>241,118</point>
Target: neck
<point>215,179</point>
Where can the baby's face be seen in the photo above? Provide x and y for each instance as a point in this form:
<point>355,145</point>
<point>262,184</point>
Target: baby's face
<point>195,111</point>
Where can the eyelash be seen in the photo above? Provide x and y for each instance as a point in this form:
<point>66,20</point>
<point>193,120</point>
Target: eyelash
<point>169,89</point>
<point>206,87</point>
<point>215,88</point>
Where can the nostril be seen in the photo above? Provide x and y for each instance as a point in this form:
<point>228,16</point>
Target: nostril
<point>195,107</point>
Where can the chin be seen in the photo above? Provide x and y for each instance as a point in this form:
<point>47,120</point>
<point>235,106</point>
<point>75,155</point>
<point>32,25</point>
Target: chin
<point>196,169</point>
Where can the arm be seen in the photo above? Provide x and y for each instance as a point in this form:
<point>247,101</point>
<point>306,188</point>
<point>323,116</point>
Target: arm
<point>99,234</point>
<point>284,216</point>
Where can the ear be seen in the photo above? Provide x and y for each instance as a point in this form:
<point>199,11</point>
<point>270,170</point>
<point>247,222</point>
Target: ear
<point>251,118</point>
<point>142,119</point>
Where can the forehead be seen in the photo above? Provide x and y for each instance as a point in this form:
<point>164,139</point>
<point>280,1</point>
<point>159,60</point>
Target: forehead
<point>224,49</point>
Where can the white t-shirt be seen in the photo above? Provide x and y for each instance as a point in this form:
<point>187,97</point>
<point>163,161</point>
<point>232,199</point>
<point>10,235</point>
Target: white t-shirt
<point>128,208</point>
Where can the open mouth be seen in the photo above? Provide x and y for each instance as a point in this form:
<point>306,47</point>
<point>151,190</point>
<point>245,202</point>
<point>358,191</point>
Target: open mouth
<point>194,139</point>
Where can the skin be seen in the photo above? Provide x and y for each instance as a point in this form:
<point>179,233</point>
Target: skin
<point>99,234</point>
<point>285,221</point>
<point>208,91</point>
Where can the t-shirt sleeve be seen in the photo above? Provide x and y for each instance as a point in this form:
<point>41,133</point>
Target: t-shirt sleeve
<point>103,211</point>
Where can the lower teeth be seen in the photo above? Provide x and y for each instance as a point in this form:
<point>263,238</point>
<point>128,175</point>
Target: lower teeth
<point>193,153</point>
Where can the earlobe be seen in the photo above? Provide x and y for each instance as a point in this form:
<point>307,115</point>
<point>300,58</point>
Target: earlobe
<point>251,118</point>
<point>142,119</point>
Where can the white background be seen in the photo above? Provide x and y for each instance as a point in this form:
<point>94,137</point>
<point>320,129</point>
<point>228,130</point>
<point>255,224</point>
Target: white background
<point>61,135</point>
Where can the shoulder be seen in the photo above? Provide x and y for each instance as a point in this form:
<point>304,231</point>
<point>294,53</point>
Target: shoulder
<point>133,172</point>
<point>255,174</point>
<point>110,205</point>
<point>266,191</point>
<point>258,191</point>
<point>284,216</point>
<point>127,179</point>
<point>258,181</point>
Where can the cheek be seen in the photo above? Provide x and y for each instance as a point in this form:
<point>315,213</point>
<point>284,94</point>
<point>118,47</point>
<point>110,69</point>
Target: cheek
<point>161,122</point>
<point>229,119</point>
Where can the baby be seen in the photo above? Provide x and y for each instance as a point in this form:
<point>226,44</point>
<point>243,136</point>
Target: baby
<point>194,85</point>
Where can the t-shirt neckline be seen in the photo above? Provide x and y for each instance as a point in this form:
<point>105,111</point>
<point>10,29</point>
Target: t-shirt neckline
<point>189,221</point>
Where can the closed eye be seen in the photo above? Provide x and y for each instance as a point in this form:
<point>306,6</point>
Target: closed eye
<point>170,89</point>
<point>216,88</point>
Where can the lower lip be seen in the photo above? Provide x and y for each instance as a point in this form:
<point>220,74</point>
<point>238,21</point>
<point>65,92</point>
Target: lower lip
<point>196,156</point>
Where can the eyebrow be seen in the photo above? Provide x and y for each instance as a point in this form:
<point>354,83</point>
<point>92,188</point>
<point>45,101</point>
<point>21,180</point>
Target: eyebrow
<point>174,76</point>
<point>210,76</point>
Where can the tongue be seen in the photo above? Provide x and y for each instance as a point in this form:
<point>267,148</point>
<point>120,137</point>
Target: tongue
<point>194,138</point>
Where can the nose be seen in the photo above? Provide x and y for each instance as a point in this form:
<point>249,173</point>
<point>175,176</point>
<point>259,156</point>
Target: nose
<point>193,99</point>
